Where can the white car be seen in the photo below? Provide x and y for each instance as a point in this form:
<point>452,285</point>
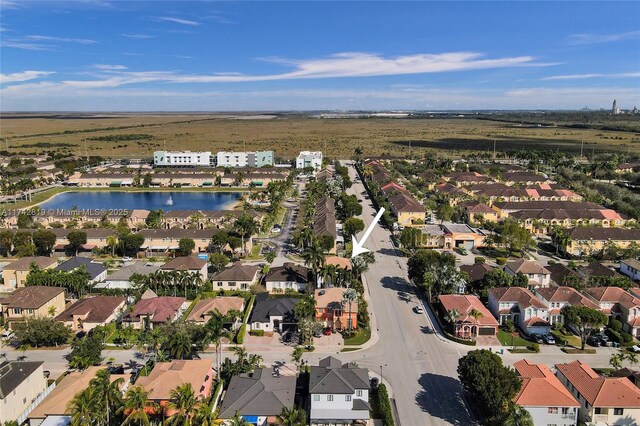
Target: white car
<point>126,259</point>
<point>635,348</point>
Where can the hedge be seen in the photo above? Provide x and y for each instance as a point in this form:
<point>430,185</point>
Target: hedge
<point>256,333</point>
<point>501,260</point>
<point>385,406</point>
<point>240,335</point>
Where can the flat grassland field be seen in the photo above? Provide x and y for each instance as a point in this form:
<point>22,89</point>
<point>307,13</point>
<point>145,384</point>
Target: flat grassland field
<point>138,135</point>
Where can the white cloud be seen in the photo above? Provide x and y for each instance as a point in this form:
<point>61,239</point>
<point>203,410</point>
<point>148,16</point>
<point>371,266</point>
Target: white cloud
<point>109,67</point>
<point>178,20</point>
<point>23,76</point>
<point>17,44</point>
<point>601,38</point>
<point>60,39</point>
<point>138,36</point>
<point>595,75</point>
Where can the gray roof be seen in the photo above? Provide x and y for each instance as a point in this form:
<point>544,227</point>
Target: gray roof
<point>123,274</point>
<point>266,308</point>
<point>332,377</point>
<point>13,373</point>
<point>94,269</point>
<point>236,272</point>
<point>634,263</point>
<point>259,394</point>
<point>289,272</point>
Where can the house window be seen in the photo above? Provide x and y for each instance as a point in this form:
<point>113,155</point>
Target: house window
<point>552,410</point>
<point>17,311</point>
<point>30,311</point>
<point>618,411</point>
<point>316,397</point>
<point>219,283</point>
<point>232,284</point>
<point>358,393</point>
<point>347,398</point>
<point>598,410</point>
<point>329,398</point>
<point>565,410</point>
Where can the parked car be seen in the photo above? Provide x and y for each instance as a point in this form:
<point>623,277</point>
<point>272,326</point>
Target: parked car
<point>327,331</point>
<point>537,338</point>
<point>418,309</point>
<point>635,348</point>
<point>594,341</point>
<point>549,339</point>
<point>126,259</point>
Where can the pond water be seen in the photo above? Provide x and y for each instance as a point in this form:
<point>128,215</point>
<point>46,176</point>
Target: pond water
<point>147,200</point>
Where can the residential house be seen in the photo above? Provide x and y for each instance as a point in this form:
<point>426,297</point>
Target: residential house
<point>618,304</point>
<point>603,400</point>
<point>97,271</point>
<point>86,314</point>
<point>538,275</point>
<point>596,269</point>
<point>202,311</point>
<point>407,209</point>
<point>258,397</point>
<point>339,393</point>
<point>21,383</point>
<point>167,376</point>
<point>273,314</point>
<point>560,274</point>
<point>149,313</point>
<point>332,312</point>
<point>460,235</point>
<point>476,272</point>
<point>466,325</point>
<point>477,212</point>
<point>121,279</point>
<point>324,220</point>
<point>521,307</point>
<point>630,268</point>
<point>556,298</point>
<point>544,396</point>
<point>238,276</point>
<point>32,302</point>
<point>15,274</point>
<point>585,240</point>
<point>287,277</point>
<point>524,178</point>
<point>191,264</point>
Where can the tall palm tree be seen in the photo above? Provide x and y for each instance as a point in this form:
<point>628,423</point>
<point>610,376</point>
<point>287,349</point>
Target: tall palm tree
<point>204,415</point>
<point>314,257</point>
<point>216,330</point>
<point>184,402</point>
<point>452,317</point>
<point>238,420</point>
<point>112,242</point>
<point>178,345</point>
<point>83,408</point>
<point>107,392</point>
<point>349,296</point>
<point>518,416</point>
<point>246,226</point>
<point>475,314</point>
<point>292,417</point>
<point>136,402</point>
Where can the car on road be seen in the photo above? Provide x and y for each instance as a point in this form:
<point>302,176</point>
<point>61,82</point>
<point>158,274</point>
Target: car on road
<point>126,259</point>
<point>418,309</point>
<point>537,338</point>
<point>327,331</point>
<point>549,339</point>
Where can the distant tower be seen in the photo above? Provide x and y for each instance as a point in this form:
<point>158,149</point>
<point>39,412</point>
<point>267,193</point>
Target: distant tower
<point>614,109</point>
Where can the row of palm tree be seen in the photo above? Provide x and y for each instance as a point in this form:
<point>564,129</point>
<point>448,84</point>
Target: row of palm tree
<point>165,280</point>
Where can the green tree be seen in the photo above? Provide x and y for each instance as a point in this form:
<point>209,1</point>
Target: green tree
<point>518,416</point>
<point>219,241</point>
<point>108,397</point>
<point>292,417</point>
<point>246,226</point>
<point>218,261</point>
<point>184,402</point>
<point>83,408</point>
<point>348,206</point>
<point>186,246</point>
<point>154,219</point>
<point>131,243</point>
<point>44,240</point>
<point>135,406</point>
<point>238,420</point>
<point>489,382</point>
<point>351,227</point>
<point>348,297</point>
<point>6,242</point>
<point>584,319</point>
<point>38,332</point>
<point>86,351</point>
<point>410,238</point>
<point>314,257</point>
<point>23,244</point>
<point>76,240</point>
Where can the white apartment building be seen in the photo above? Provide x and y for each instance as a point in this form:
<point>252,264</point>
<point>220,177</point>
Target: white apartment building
<point>182,159</point>
<point>309,159</point>
<point>244,159</point>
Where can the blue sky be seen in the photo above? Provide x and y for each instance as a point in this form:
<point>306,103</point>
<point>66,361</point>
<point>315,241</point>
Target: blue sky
<point>96,55</point>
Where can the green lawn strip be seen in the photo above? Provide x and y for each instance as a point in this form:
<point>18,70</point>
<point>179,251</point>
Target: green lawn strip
<point>569,338</point>
<point>362,336</point>
<point>507,339</point>
<point>349,349</point>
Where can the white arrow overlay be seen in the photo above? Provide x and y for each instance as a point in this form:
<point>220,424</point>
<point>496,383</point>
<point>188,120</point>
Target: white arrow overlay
<point>358,246</point>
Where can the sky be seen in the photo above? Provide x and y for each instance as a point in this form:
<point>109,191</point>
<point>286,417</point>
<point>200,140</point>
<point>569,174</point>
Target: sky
<point>101,55</point>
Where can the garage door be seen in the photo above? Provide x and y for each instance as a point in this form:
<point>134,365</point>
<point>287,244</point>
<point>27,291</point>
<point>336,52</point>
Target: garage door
<point>487,331</point>
<point>465,244</point>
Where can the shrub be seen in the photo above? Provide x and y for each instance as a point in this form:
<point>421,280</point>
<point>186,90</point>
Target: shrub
<point>551,262</point>
<point>615,325</point>
<point>479,259</point>
<point>628,338</point>
<point>385,406</point>
<point>535,347</point>
<point>240,335</point>
<point>501,260</point>
<point>256,333</point>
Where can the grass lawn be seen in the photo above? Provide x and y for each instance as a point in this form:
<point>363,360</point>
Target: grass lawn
<point>507,340</point>
<point>570,338</point>
<point>255,252</point>
<point>362,336</point>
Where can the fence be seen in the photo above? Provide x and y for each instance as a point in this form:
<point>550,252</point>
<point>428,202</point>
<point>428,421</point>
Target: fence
<point>35,403</point>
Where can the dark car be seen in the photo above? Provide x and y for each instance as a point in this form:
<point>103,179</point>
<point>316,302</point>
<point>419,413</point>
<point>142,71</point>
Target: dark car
<point>286,338</point>
<point>594,341</point>
<point>327,331</point>
<point>537,338</point>
<point>549,339</point>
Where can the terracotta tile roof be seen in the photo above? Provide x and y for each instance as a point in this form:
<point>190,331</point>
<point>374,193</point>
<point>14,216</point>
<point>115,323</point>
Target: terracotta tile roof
<point>600,391</point>
<point>566,294</point>
<point>464,304</point>
<point>159,309</point>
<point>326,297</point>
<point>516,294</point>
<point>526,267</point>
<point>24,264</point>
<point>97,309</point>
<point>612,294</point>
<point>540,388</point>
<point>341,262</point>
<point>167,376</point>
<point>31,297</point>
<point>536,322</point>
<point>222,304</point>
<point>184,263</point>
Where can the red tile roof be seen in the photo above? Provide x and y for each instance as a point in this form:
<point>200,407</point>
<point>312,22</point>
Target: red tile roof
<point>463,304</point>
<point>160,309</point>
<point>540,388</point>
<point>516,294</point>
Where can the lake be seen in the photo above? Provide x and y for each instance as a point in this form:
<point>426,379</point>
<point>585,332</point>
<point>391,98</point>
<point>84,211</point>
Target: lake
<point>147,200</point>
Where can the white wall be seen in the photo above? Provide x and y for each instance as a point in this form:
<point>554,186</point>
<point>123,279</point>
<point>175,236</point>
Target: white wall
<point>541,416</point>
<point>182,158</point>
<point>283,285</point>
<point>629,271</point>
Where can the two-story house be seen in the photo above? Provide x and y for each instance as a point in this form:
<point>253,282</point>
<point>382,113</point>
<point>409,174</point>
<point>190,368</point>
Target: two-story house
<point>97,271</point>
<point>32,302</point>
<point>235,277</point>
<point>273,314</point>
<point>287,277</point>
<point>155,311</point>
<point>618,304</point>
<point>603,400</point>
<point>544,397</point>
<point>521,307</point>
<point>556,298</point>
<point>190,264</point>
<point>21,382</point>
<point>339,393</point>
<point>630,268</point>
<point>538,275</point>
<point>15,273</point>
<point>332,312</point>
<point>87,314</point>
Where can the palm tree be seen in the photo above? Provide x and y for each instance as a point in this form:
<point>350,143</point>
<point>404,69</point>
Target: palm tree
<point>112,242</point>
<point>349,296</point>
<point>136,402</point>
<point>178,345</point>
<point>292,417</point>
<point>314,257</point>
<point>184,402</point>
<point>452,317</point>
<point>246,226</point>
<point>107,392</point>
<point>205,416</point>
<point>475,314</point>
<point>518,416</point>
<point>616,361</point>
<point>216,330</point>
<point>238,420</point>
<point>82,408</point>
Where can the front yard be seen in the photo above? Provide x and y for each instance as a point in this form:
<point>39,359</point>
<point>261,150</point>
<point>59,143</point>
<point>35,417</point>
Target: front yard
<point>512,339</point>
<point>568,337</point>
<point>362,336</point>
